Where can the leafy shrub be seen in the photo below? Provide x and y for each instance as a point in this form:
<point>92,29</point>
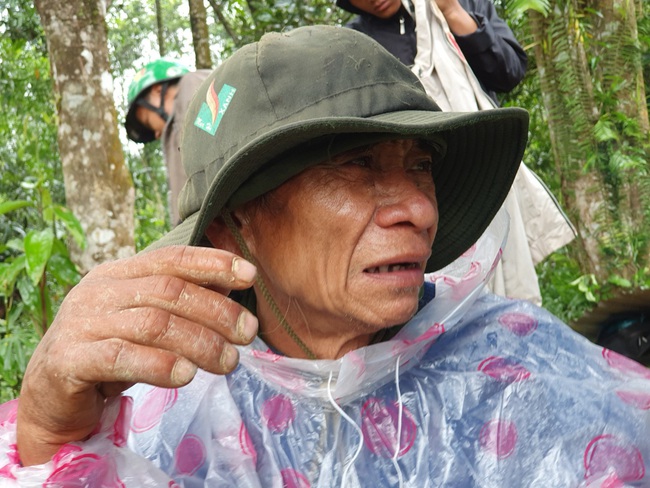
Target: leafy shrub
<point>35,274</point>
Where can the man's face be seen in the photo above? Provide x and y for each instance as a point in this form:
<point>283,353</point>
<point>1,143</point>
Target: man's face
<point>348,239</point>
<point>149,118</point>
<point>383,9</point>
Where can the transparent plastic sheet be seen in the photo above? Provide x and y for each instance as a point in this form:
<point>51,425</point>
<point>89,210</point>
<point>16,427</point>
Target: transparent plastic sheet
<point>100,462</point>
<point>475,391</point>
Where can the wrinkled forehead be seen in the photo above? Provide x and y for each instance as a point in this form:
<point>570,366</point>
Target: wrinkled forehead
<point>290,164</point>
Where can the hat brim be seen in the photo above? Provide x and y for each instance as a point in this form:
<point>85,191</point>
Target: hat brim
<point>484,151</point>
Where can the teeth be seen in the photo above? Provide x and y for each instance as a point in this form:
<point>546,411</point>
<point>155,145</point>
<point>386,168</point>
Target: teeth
<point>392,267</point>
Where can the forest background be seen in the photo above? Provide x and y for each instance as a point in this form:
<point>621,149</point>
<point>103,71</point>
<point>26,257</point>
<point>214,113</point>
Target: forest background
<point>74,192</point>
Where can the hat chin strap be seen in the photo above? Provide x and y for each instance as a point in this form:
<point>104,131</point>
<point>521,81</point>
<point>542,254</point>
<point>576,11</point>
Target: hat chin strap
<point>160,109</point>
<point>227,218</point>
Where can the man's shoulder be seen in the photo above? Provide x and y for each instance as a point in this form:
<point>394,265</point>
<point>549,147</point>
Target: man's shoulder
<point>195,78</point>
<point>187,87</point>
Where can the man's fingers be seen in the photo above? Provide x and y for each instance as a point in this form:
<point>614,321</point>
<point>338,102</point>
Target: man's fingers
<point>208,348</point>
<point>199,265</point>
<point>122,362</point>
<point>186,300</point>
<point>145,305</point>
<point>194,303</point>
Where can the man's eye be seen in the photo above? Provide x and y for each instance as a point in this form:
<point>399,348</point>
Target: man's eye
<point>422,165</point>
<point>363,161</point>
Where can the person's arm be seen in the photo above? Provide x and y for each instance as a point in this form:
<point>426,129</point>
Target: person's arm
<point>153,318</point>
<point>460,22</point>
<point>490,47</point>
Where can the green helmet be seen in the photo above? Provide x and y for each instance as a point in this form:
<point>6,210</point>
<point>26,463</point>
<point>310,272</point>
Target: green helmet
<point>159,71</point>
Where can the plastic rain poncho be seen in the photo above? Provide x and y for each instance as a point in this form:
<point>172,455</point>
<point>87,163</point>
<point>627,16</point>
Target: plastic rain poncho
<point>475,391</point>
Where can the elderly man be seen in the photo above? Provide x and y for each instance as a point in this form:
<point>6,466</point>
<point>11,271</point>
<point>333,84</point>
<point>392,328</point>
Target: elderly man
<point>292,338</point>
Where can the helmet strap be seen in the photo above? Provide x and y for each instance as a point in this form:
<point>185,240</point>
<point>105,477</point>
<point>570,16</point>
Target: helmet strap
<point>160,109</point>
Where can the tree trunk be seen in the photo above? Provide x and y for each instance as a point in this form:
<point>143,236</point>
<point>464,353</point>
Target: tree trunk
<point>620,73</point>
<point>582,191</point>
<point>583,70</point>
<point>200,34</point>
<point>618,39</point>
<point>99,189</point>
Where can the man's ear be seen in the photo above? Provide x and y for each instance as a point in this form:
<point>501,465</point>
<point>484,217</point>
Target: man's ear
<point>220,236</point>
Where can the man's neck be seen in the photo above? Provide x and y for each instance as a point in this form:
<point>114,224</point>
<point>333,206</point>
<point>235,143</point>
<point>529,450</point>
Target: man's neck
<point>314,340</point>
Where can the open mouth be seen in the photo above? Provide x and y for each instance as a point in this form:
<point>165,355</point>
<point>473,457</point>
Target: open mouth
<point>389,268</point>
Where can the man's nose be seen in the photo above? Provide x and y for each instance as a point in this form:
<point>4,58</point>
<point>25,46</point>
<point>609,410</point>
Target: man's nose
<point>403,201</point>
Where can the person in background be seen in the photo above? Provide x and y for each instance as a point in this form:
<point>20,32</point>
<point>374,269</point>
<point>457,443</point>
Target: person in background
<point>485,40</point>
<point>319,318</point>
<point>157,100</point>
<point>464,53</point>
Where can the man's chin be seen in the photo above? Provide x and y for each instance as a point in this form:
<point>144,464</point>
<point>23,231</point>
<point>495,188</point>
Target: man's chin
<point>397,311</point>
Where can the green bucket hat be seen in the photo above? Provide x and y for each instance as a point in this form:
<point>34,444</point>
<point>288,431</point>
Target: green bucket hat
<point>291,100</point>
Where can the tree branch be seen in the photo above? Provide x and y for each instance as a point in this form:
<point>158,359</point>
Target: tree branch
<point>159,30</point>
<point>224,22</point>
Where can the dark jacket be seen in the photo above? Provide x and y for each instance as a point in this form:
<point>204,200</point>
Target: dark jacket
<point>493,53</point>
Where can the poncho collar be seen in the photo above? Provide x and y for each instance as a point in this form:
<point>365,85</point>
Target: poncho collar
<point>363,370</point>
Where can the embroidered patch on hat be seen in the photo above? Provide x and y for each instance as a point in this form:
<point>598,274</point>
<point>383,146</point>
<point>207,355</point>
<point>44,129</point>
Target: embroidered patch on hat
<point>212,110</point>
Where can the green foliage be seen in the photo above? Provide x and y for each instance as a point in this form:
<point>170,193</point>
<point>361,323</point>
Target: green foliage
<point>517,8</point>
<point>560,280</point>
<point>31,193</point>
<point>132,33</point>
<point>35,274</point>
<point>28,122</point>
<point>643,25</point>
<point>18,21</point>
<point>597,131</point>
<point>567,291</point>
<point>569,294</point>
<point>151,206</point>
<point>16,346</point>
<point>238,22</point>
